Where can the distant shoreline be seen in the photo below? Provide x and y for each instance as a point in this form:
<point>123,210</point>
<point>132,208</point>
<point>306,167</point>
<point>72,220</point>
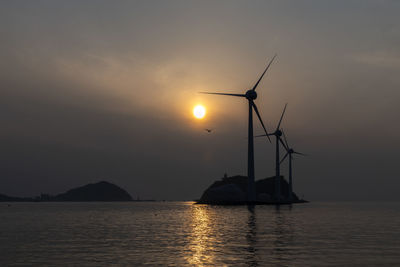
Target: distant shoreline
<point>102,191</point>
<point>58,201</point>
<point>236,203</point>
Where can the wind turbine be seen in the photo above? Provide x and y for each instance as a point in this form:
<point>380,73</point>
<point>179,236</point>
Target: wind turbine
<point>277,133</point>
<point>250,95</point>
<point>290,152</point>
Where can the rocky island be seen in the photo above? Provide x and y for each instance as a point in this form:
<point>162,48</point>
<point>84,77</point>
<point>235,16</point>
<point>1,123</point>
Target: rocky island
<point>101,191</point>
<point>233,191</point>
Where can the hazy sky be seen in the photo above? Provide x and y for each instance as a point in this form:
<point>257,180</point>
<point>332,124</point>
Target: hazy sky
<point>104,90</point>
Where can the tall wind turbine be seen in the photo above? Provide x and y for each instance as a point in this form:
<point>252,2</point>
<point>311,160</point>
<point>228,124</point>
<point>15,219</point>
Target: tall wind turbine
<point>277,133</point>
<point>289,153</point>
<point>250,95</point>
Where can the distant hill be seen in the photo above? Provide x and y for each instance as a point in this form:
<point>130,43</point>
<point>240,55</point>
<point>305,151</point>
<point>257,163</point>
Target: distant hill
<point>101,191</point>
<point>233,190</point>
<point>5,198</point>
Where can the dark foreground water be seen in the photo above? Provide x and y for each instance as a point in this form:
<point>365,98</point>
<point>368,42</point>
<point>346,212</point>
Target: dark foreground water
<point>180,233</point>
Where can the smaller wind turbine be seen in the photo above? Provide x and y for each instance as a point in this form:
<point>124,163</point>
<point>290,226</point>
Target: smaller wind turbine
<point>277,133</point>
<point>290,152</point>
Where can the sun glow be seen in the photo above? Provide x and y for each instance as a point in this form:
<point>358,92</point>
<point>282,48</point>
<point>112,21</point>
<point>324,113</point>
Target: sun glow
<point>199,111</point>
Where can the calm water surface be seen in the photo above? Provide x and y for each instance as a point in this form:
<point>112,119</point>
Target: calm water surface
<point>183,234</point>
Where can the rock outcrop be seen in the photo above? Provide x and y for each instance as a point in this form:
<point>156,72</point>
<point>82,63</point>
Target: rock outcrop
<point>233,190</point>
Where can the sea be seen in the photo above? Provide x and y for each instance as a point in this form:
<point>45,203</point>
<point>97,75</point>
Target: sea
<point>186,234</point>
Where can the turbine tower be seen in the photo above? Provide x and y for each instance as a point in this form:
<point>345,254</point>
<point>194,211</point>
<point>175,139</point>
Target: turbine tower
<point>277,133</point>
<point>250,95</point>
<point>289,153</point>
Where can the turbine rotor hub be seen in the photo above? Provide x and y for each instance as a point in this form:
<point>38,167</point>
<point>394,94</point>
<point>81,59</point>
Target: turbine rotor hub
<point>251,95</point>
<point>278,132</point>
<point>291,151</point>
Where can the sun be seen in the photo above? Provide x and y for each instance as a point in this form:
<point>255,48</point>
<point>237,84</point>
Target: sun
<point>199,111</point>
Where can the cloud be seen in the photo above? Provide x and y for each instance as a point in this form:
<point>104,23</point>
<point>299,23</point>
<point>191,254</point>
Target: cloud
<point>108,93</point>
<point>380,59</point>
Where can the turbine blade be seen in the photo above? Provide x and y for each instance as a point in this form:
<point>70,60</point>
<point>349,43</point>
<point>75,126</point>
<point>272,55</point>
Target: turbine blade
<point>284,137</point>
<point>283,144</point>
<point>255,86</point>
<point>295,152</point>
<point>209,93</point>
<point>284,158</point>
<point>259,117</point>
<point>283,113</point>
<point>263,135</point>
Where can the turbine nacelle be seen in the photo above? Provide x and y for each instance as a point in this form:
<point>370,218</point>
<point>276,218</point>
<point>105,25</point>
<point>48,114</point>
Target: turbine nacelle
<point>278,132</point>
<point>251,95</point>
<point>290,151</point>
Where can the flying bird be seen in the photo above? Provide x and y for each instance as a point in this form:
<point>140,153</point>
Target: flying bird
<point>208,130</point>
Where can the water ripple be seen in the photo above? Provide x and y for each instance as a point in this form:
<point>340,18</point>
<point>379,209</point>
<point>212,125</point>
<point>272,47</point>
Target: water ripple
<point>183,234</point>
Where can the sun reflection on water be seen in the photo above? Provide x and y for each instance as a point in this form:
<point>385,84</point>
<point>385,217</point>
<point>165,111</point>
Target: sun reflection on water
<point>202,237</point>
